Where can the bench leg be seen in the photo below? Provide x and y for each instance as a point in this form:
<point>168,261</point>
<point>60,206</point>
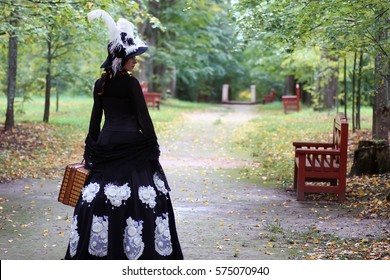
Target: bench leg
<point>301,186</point>
<point>295,176</point>
<point>341,192</point>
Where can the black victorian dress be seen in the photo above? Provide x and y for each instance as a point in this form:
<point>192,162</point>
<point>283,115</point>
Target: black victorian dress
<point>124,210</point>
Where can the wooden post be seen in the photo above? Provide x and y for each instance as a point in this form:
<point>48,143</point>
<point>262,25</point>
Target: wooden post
<point>253,93</point>
<point>225,93</point>
<point>298,95</point>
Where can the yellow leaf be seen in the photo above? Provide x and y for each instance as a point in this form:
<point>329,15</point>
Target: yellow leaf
<point>360,192</point>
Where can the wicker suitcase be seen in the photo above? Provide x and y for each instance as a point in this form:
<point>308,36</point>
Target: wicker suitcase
<point>72,184</point>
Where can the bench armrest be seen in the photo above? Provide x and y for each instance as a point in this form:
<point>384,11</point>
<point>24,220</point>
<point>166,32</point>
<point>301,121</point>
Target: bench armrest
<point>312,144</point>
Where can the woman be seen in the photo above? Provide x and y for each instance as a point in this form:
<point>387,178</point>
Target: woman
<point>124,211</point>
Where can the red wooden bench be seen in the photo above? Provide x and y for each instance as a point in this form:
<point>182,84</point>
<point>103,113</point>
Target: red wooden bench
<point>270,97</point>
<point>292,102</point>
<point>322,167</point>
<point>152,99</point>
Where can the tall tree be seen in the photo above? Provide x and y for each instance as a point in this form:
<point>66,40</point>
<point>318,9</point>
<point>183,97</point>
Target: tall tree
<point>58,29</point>
<point>11,18</point>
<point>381,112</point>
<point>11,76</point>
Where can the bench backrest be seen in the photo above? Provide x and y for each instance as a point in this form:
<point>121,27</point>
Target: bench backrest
<point>340,137</point>
<point>152,97</point>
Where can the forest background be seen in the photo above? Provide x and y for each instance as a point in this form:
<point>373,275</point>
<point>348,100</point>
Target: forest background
<point>337,50</point>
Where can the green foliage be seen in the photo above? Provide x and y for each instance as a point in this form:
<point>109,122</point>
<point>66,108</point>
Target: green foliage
<point>291,35</point>
<point>199,42</point>
<point>338,25</point>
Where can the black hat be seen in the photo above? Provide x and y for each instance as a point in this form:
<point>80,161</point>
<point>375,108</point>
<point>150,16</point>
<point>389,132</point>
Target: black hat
<point>123,45</point>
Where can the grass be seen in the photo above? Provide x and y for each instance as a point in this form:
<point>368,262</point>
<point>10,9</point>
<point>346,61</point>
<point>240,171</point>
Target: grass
<point>75,111</point>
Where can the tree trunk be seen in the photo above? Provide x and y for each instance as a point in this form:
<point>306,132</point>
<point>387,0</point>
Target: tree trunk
<point>359,91</point>
<point>290,85</point>
<point>353,92</point>
<point>331,89</point>
<point>381,108</point>
<point>327,81</point>
<point>48,84</point>
<point>146,69</point>
<point>57,96</point>
<point>345,85</point>
<point>11,84</point>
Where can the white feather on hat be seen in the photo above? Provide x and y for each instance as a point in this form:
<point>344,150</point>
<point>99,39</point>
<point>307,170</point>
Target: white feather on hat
<point>109,21</point>
<point>123,44</point>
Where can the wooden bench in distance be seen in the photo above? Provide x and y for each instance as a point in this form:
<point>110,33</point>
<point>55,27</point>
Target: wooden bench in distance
<point>322,167</point>
<point>152,99</point>
<point>292,102</point>
<point>270,97</point>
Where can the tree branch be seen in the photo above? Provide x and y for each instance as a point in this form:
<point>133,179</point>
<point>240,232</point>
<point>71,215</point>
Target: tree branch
<point>372,37</point>
<point>381,14</point>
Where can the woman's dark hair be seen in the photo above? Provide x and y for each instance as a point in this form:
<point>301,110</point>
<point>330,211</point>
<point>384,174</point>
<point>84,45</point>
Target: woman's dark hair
<point>107,74</point>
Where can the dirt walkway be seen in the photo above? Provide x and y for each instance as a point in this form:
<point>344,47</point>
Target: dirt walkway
<point>219,215</point>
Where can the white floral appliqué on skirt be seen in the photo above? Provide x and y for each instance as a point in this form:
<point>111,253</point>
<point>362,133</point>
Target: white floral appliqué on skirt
<point>89,192</point>
<point>132,239</point>
<point>147,195</point>
<point>98,240</point>
<point>117,194</point>
<point>74,237</point>
<point>162,236</point>
<point>160,184</point>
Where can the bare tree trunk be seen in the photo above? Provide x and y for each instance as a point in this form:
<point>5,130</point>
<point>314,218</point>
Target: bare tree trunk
<point>290,85</point>
<point>359,91</point>
<point>146,72</point>
<point>381,107</point>
<point>57,96</point>
<point>11,85</point>
<point>353,92</point>
<point>172,86</point>
<point>328,81</point>
<point>48,83</point>
<point>381,110</point>
<point>330,89</point>
<point>345,85</point>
